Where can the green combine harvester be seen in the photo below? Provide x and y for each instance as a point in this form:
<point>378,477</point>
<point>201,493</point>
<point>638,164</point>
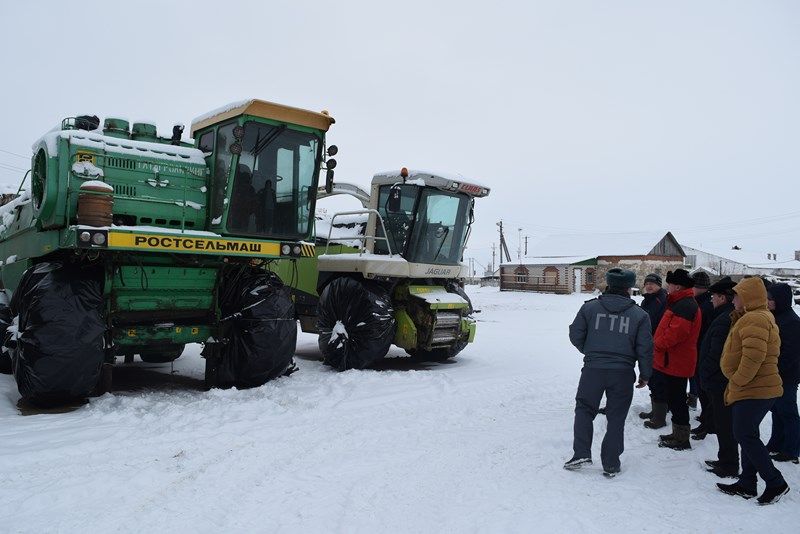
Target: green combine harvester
<point>397,277</point>
<point>128,243</point>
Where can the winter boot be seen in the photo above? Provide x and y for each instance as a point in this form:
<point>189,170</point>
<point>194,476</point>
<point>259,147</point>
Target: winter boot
<point>723,471</point>
<point>783,457</point>
<point>738,489</point>
<point>680,439</point>
<point>659,417</point>
<point>691,401</point>
<point>773,494</point>
<point>576,463</point>
<point>610,472</point>
<point>647,415</point>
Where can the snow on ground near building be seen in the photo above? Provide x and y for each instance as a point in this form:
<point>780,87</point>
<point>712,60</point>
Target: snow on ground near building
<point>471,446</point>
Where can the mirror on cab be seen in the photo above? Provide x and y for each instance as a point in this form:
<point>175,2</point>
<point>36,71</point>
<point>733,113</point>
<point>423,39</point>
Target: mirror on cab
<point>393,202</point>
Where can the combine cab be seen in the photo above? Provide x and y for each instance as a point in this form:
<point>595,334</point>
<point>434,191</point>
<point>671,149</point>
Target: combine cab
<point>402,285</point>
<point>128,243</point>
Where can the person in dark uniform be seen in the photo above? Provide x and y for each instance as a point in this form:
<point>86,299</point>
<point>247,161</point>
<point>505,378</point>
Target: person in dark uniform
<point>614,335</point>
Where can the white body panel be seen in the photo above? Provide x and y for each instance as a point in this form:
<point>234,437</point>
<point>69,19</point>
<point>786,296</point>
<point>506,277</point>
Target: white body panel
<point>372,265</point>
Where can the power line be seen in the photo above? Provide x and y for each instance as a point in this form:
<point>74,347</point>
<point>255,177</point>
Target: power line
<point>14,154</point>
<point>12,168</point>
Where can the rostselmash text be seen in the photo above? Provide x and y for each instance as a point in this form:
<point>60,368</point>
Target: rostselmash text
<point>182,243</point>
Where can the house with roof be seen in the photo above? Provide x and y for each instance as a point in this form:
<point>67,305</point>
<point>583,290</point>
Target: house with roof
<point>569,263</point>
<point>740,261</point>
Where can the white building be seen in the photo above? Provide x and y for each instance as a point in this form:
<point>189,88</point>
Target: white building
<point>740,261</point>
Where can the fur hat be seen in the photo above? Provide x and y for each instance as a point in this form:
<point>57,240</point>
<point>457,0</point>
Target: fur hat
<point>701,279</point>
<point>723,287</point>
<point>653,277</point>
<point>620,279</point>
<point>680,277</point>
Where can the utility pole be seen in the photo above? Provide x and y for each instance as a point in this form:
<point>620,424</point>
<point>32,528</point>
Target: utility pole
<point>526,245</point>
<point>503,245</point>
<point>519,245</point>
<point>493,253</point>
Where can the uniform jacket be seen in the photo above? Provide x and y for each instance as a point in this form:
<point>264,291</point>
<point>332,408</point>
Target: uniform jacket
<point>708,369</point>
<point>676,336</point>
<point>789,328</point>
<point>613,333</point>
<point>750,355</point>
<point>655,304</point>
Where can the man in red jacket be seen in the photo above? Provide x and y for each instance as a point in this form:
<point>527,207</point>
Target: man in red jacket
<point>675,353</point>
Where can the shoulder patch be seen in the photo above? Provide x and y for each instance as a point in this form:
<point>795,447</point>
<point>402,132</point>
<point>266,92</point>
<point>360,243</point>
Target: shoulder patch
<point>685,309</point>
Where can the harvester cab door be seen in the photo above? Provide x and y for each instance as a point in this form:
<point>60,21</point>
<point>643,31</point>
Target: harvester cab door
<point>396,205</point>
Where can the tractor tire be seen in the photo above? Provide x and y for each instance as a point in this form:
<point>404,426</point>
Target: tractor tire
<point>356,323</point>
<point>165,355</point>
<point>61,345</point>
<point>261,330</point>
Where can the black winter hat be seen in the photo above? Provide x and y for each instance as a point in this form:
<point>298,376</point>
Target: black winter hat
<point>653,277</point>
<point>701,279</point>
<point>680,277</point>
<point>619,278</point>
<point>723,287</point>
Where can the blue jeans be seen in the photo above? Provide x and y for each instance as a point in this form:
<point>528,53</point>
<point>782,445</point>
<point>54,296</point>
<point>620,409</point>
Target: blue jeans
<point>747,416</point>
<point>786,423</point>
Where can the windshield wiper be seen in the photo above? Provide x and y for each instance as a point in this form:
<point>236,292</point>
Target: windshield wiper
<point>264,143</point>
<point>446,233</point>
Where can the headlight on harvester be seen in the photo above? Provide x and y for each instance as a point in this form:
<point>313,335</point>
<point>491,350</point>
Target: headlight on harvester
<point>286,250</point>
<point>296,250</point>
<point>92,238</point>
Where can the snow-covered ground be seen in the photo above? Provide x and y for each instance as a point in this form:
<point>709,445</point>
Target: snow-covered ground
<point>471,446</point>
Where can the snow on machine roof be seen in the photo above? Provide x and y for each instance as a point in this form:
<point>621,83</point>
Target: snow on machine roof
<point>446,181</point>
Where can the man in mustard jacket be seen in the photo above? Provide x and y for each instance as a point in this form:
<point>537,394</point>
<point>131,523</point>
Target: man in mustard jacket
<point>750,363</point>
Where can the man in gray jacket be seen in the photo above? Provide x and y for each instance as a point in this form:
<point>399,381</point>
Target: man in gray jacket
<point>613,334</point>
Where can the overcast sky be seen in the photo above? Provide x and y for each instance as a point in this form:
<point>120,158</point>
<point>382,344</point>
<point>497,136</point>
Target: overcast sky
<point>581,116</point>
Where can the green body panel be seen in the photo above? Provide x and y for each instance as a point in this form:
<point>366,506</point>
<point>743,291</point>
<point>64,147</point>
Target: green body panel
<point>137,288</point>
<point>405,335</point>
<point>469,325</point>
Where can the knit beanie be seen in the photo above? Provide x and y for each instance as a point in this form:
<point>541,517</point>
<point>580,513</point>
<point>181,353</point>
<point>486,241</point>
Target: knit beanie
<point>653,277</point>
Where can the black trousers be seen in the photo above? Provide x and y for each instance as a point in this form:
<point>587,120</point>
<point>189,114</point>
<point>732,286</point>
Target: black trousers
<point>656,385</point>
<point>747,416</point>
<point>617,384</point>
<point>728,454</point>
<point>707,409</point>
<point>675,391</point>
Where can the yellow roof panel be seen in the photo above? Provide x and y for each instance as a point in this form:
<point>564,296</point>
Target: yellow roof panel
<point>268,110</point>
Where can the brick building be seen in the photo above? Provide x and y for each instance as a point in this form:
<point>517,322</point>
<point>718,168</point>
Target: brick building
<point>578,262</point>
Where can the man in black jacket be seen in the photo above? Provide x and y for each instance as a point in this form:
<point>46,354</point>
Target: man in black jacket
<point>714,382</point>
<point>703,298</point>
<point>614,335</point>
<point>785,440</point>
<point>654,303</point>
